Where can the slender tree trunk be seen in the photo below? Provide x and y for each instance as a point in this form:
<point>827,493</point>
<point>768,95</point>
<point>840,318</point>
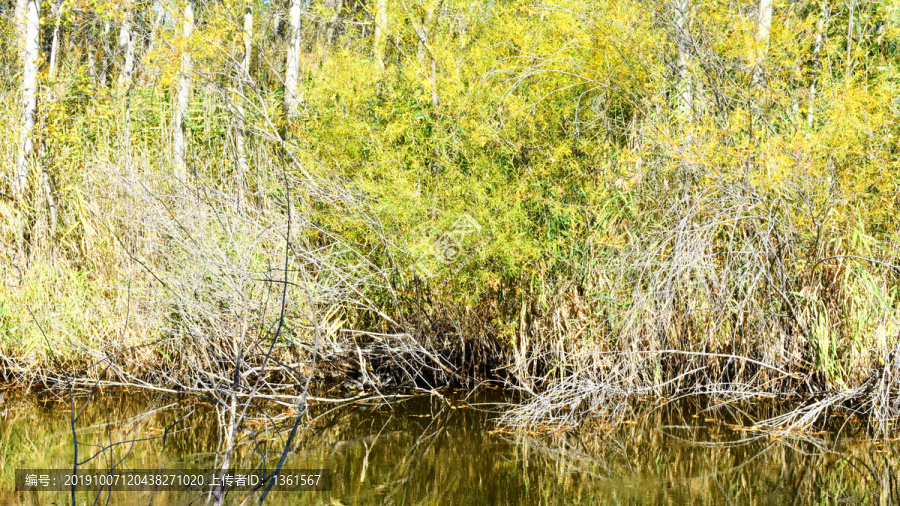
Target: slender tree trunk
<point>104,59</point>
<point>92,64</point>
<point>54,44</point>
<point>247,34</point>
<point>183,95</point>
<point>30,60</point>
<point>19,22</point>
<point>20,177</point>
<point>276,23</point>
<point>50,202</point>
<point>852,9</point>
<point>435,99</point>
<point>127,46</point>
<point>292,97</point>
<point>240,116</point>
<point>154,29</point>
<point>431,21</point>
<point>763,29</point>
<point>422,51</point>
<point>158,20</point>
<point>336,6</point>
<point>684,86</point>
<point>425,48</point>
<point>48,230</point>
<point>817,50</point>
<point>681,12</point>
<point>381,29</point>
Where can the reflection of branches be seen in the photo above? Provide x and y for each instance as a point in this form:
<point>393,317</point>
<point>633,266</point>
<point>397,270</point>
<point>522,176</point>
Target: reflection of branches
<point>301,408</point>
<point>108,450</point>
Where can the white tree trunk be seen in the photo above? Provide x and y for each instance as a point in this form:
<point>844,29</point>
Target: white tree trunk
<point>154,29</point>
<point>150,75</point>
<point>817,50</point>
<point>248,40</point>
<point>30,61</point>
<point>763,29</point>
<point>50,202</point>
<point>435,99</point>
<point>48,230</point>
<point>381,30</point>
<point>276,23</point>
<point>422,51</point>
<point>681,12</point>
<point>104,60</point>
<point>335,6</point>
<point>240,119</point>
<point>92,64</point>
<point>292,97</point>
<point>127,47</point>
<point>425,48</point>
<point>183,95</point>
<point>54,44</point>
<point>852,9</point>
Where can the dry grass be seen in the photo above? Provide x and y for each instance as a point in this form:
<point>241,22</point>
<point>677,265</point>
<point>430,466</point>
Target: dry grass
<point>723,297</point>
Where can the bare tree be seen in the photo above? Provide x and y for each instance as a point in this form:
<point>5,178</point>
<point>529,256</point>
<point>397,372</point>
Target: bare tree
<point>183,94</point>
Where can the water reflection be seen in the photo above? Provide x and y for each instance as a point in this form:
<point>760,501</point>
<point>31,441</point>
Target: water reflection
<point>426,450</point>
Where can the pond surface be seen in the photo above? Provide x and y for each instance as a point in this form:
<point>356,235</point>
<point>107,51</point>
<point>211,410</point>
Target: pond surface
<point>428,450</point>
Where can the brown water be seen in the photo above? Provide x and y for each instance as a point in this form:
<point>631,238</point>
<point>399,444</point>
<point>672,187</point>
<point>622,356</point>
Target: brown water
<point>427,450</point>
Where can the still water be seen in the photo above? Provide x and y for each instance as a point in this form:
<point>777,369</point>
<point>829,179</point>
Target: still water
<point>429,450</point>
